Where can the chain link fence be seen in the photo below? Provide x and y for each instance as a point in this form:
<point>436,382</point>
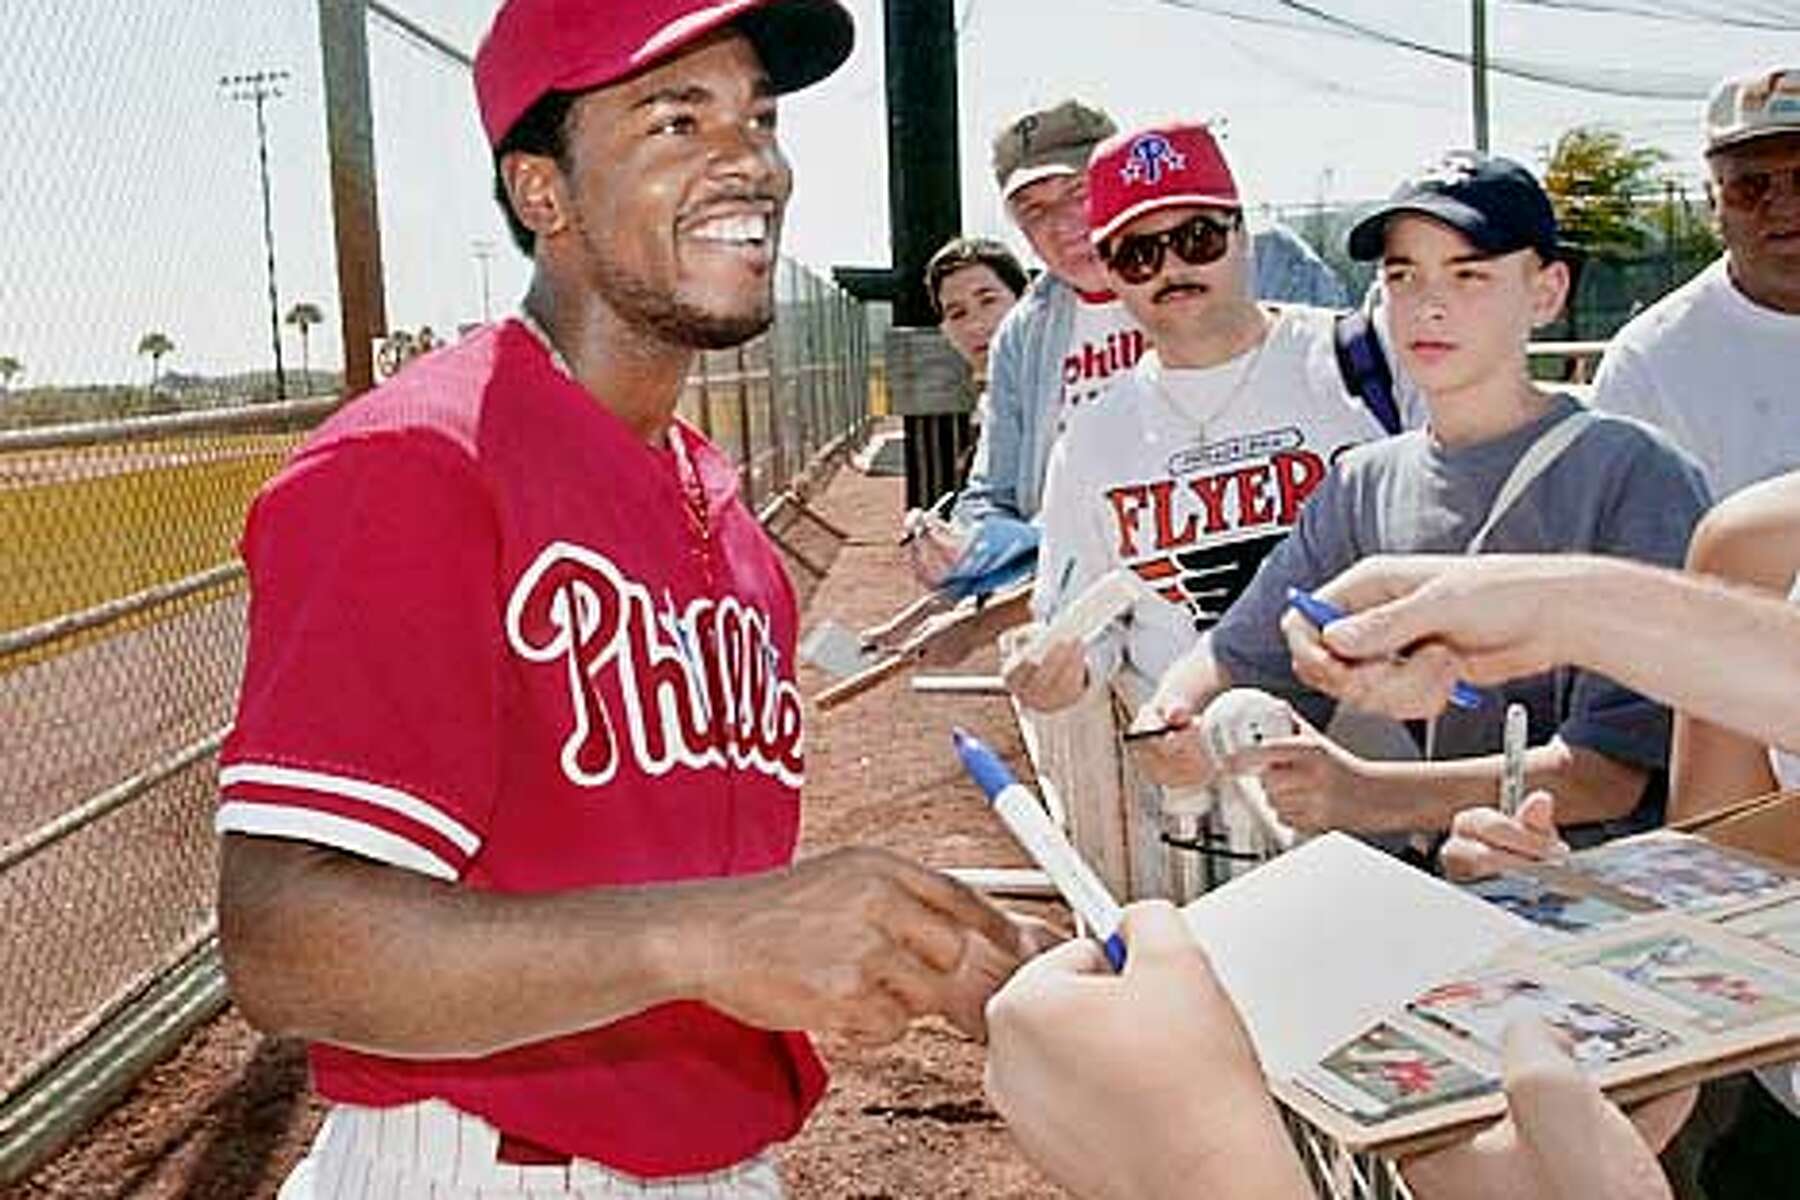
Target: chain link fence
<point>1610,287</point>
<point>127,462</point>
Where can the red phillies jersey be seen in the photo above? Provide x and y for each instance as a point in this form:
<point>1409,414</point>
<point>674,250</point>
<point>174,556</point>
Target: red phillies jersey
<point>489,643</point>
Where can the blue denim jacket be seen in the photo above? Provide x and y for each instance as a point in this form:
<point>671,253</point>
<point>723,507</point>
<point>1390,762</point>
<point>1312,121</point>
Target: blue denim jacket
<point>1025,379</point>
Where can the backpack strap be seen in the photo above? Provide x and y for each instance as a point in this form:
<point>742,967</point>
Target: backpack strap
<point>1364,367</point>
<point>1537,458</point>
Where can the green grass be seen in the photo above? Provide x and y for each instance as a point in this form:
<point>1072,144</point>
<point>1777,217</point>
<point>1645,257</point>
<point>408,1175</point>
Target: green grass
<point>81,527</point>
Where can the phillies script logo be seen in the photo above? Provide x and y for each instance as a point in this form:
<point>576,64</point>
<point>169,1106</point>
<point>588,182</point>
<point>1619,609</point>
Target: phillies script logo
<point>699,688</point>
<point>1198,538</point>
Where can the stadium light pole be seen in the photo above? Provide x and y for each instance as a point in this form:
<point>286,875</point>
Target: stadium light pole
<point>259,87</point>
<point>1478,60</point>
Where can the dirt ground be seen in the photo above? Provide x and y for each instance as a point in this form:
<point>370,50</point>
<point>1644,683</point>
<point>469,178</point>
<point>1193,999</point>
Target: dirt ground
<point>228,1115</point>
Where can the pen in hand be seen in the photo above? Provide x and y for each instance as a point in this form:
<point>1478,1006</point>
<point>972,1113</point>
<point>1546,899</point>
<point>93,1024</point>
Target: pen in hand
<point>1322,613</point>
<point>1025,818</point>
<point>1512,771</point>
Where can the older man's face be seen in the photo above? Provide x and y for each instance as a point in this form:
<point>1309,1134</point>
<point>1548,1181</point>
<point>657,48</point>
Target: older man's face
<point>1052,214</point>
<point>1756,195</point>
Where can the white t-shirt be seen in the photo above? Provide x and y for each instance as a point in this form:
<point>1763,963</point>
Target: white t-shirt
<point>1189,477</point>
<point>1104,342</point>
<point>1716,372</point>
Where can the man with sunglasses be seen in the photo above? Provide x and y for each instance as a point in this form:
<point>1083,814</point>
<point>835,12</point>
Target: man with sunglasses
<point>1195,463</point>
<point>1714,362</point>
<point>1069,336</point>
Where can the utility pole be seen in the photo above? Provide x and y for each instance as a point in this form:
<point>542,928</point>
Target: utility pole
<point>1478,59</point>
<point>484,254</point>
<point>259,87</point>
<point>924,212</point>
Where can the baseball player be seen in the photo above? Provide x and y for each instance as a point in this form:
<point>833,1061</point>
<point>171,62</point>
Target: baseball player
<point>510,803</point>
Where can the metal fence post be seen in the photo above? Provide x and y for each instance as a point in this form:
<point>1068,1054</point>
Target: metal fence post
<point>350,132</point>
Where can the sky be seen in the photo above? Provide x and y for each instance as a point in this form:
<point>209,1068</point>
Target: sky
<point>132,200</point>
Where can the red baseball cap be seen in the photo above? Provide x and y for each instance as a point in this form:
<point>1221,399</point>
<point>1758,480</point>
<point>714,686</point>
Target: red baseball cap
<point>540,46</point>
<point>1166,166</point>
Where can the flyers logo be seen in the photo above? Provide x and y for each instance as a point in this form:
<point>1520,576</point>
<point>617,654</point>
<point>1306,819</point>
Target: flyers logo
<point>1207,579</point>
<point>1198,540</point>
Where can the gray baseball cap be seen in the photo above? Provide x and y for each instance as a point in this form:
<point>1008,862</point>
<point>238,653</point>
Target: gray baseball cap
<point>1753,106</point>
<point>1048,142</point>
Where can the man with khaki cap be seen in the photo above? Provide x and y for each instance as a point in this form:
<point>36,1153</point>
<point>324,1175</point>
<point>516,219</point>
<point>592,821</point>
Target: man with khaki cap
<point>1714,362</point>
<point>1069,335</point>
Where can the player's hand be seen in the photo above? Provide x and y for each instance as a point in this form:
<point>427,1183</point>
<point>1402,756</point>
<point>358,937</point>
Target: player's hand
<point>1418,623</point>
<point>1313,784</point>
<point>1485,841</point>
<point>1141,1085</point>
<point>1053,682</point>
<point>985,967</point>
<point>1561,1140</point>
<point>856,942</point>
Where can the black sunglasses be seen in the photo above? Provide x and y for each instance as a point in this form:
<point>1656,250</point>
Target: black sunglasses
<point>1748,189</point>
<point>1138,257</point>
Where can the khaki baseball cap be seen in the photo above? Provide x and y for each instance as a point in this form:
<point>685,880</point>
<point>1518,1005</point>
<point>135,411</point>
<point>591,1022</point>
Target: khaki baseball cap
<point>1047,142</point>
<point>1753,106</point>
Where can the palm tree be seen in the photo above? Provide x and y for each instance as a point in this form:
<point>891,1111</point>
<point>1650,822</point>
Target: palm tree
<point>303,316</point>
<point>10,369</point>
<point>156,344</point>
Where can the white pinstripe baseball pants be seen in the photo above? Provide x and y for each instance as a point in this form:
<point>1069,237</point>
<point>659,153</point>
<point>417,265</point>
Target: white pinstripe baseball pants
<point>431,1151</point>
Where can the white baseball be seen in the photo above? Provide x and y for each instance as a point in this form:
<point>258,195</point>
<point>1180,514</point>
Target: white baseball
<point>1241,718</point>
<point>1237,720</point>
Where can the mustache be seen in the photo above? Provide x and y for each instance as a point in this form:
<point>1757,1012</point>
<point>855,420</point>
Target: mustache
<point>1177,289</point>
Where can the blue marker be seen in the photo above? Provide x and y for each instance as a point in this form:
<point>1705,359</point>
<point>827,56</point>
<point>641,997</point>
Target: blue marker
<point>1027,821</point>
<point>1323,612</point>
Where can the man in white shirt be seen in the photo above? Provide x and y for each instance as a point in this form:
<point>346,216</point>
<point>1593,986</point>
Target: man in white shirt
<point>1716,363</point>
<point>1069,335</point>
<point>1195,462</point>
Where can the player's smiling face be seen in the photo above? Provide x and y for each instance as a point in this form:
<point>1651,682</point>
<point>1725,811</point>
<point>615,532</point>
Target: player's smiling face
<point>676,188</point>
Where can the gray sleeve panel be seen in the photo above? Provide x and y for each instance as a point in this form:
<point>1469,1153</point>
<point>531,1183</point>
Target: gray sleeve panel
<point>1247,640</point>
<point>1648,496</point>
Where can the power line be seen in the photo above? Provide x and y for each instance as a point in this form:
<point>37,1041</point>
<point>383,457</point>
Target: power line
<point>1627,83</point>
<point>419,35</point>
<point>1780,18</point>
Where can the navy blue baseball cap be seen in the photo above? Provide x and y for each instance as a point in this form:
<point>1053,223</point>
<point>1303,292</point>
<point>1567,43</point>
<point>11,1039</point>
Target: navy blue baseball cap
<point>1494,202</point>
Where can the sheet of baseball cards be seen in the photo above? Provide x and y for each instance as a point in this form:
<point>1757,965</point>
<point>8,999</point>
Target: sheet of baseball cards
<point>1659,960</point>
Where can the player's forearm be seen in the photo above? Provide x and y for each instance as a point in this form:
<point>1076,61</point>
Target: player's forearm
<point>1427,795</point>
<point>332,948</point>
<point>1722,653</point>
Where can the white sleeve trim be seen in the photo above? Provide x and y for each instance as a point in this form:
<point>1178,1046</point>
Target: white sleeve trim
<point>380,795</point>
<point>328,829</point>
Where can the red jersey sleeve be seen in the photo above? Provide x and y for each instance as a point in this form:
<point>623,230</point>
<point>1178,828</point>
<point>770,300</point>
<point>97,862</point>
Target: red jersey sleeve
<point>367,719</point>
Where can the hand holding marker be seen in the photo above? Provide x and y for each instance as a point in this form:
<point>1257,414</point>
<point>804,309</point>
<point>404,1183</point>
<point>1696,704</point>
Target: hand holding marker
<point>1027,821</point>
<point>1322,613</point>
